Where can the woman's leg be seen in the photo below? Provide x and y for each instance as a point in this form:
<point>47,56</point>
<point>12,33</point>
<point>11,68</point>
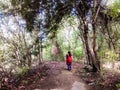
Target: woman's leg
<point>69,66</point>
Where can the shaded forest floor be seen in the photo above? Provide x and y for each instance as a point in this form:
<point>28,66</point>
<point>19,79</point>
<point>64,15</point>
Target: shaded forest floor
<point>53,75</point>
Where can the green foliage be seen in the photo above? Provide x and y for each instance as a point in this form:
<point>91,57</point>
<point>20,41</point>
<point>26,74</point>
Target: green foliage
<point>35,53</point>
<point>118,85</point>
<point>25,81</point>
<point>24,70</point>
<point>35,50</point>
<point>78,53</point>
<point>47,52</point>
<point>115,9</point>
<point>102,73</point>
<point>67,37</point>
<point>4,4</point>
<point>97,82</point>
<point>1,55</point>
<point>54,16</point>
<point>108,55</point>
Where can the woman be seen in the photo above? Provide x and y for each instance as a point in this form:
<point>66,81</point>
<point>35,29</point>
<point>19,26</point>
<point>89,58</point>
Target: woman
<point>69,59</point>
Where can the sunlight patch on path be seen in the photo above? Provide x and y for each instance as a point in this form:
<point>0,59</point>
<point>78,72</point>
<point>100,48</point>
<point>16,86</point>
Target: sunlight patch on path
<point>66,73</point>
<point>78,86</point>
<point>50,89</point>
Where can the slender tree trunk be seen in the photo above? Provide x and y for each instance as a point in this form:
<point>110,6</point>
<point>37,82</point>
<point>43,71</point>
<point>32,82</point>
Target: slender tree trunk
<point>86,38</point>
<point>110,40</point>
<point>29,57</point>
<point>95,46</point>
<point>86,51</point>
<point>40,56</point>
<point>90,44</point>
<point>111,44</point>
<point>60,55</point>
<point>91,52</point>
<point>28,53</point>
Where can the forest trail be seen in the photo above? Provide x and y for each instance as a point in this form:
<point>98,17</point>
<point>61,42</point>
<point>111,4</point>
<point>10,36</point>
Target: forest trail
<point>59,78</point>
<point>53,75</point>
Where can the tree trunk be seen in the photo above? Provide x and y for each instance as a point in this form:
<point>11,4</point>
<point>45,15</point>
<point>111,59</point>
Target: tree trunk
<point>40,49</point>
<point>91,51</point>
<point>91,48</point>
<point>108,29</point>
<point>95,45</point>
<point>29,57</point>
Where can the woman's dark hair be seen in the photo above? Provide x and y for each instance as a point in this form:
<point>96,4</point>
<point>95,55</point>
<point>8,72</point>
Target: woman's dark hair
<point>69,53</point>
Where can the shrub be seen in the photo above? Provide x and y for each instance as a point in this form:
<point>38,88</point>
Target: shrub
<point>78,53</point>
<point>108,55</point>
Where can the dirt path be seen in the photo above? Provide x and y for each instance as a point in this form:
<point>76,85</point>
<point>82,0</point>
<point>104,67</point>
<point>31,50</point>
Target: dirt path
<point>54,76</point>
<point>61,79</point>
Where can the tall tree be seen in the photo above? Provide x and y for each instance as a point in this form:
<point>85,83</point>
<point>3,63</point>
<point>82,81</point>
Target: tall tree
<point>90,9</point>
